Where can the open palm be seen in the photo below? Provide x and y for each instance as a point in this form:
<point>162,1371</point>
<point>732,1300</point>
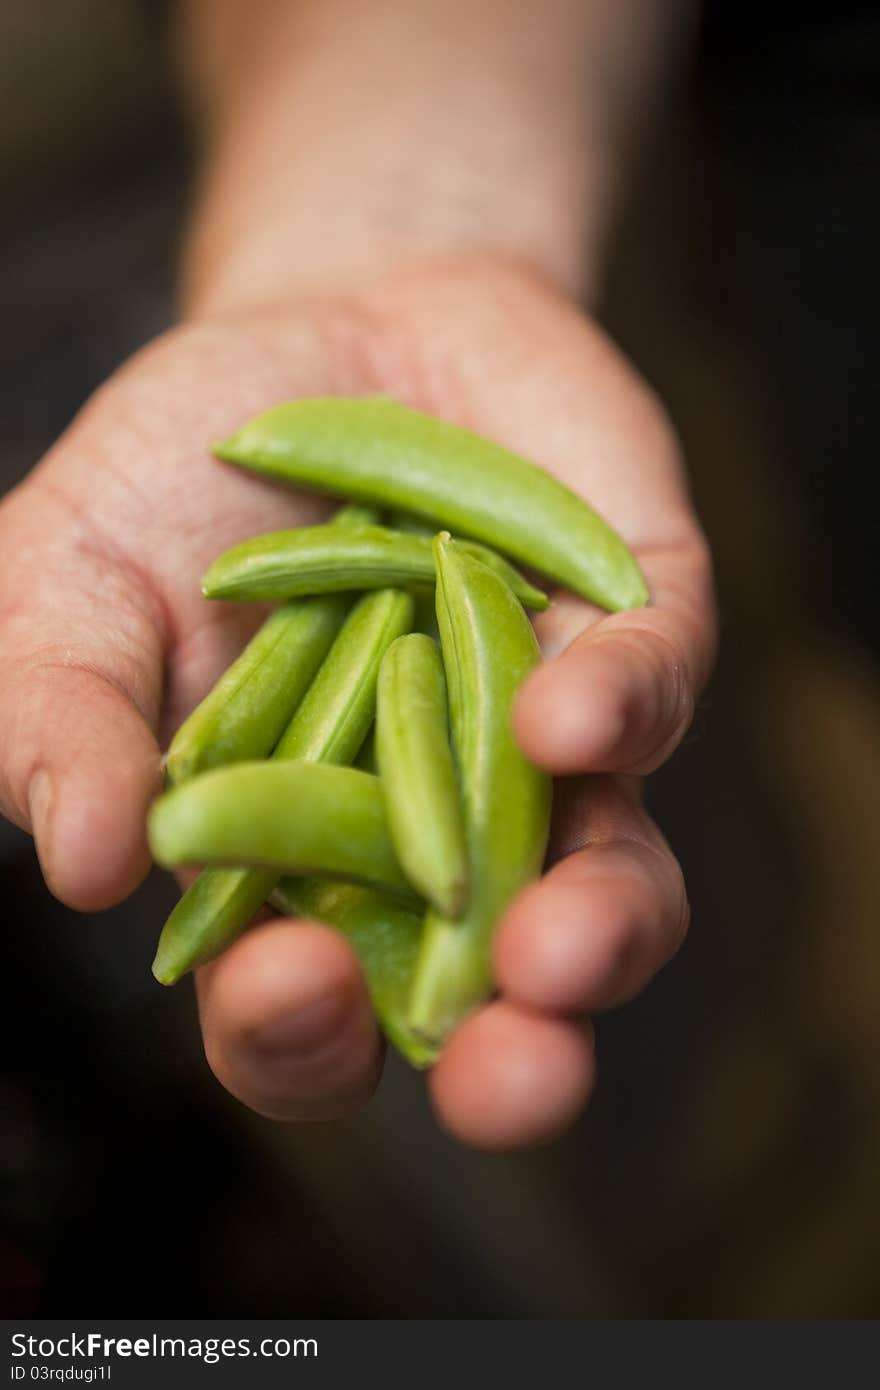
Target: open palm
<point>107,644</point>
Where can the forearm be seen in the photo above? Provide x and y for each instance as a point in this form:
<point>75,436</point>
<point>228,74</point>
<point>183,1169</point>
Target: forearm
<point>343,138</point>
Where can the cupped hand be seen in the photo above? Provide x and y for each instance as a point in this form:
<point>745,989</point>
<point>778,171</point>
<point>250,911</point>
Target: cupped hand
<point>107,644</point>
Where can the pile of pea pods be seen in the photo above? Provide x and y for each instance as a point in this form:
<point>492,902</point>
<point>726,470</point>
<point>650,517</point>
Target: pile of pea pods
<point>356,763</point>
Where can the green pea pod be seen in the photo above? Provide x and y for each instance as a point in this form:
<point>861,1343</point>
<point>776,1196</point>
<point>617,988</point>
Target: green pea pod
<point>296,817</point>
<point>377,451</point>
<point>329,726</point>
<point>385,937</point>
<point>320,560</point>
<point>417,772</point>
<point>245,713</point>
<point>336,714</point>
<point>488,648</point>
<point>213,911</point>
<point>426,613</point>
<point>351,515</point>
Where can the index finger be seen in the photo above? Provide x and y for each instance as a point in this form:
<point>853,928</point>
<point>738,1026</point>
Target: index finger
<point>621,694</point>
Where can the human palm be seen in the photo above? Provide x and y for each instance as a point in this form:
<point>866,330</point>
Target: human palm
<point>107,644</point>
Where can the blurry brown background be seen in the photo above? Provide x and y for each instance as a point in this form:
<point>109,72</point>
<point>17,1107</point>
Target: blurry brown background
<point>730,1164</point>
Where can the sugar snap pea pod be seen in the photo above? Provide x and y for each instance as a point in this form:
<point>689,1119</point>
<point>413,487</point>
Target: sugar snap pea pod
<point>375,450</point>
<point>422,799</point>
<point>329,726</point>
<point>320,560</point>
<point>296,817</point>
<point>418,526</point>
<point>213,911</point>
<point>488,648</point>
<point>335,716</point>
<point>526,592</point>
<point>352,515</point>
<point>385,937</point>
<point>245,713</point>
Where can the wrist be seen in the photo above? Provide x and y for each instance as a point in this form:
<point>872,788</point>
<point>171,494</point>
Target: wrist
<point>350,139</point>
<point>354,236</point>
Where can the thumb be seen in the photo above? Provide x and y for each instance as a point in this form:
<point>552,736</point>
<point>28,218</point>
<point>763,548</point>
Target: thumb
<point>80,681</point>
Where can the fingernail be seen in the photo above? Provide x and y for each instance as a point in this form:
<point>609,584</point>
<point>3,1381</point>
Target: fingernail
<point>304,1032</point>
<point>39,804</point>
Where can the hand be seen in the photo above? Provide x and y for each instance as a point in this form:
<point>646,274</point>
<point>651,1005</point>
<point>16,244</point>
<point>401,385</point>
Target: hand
<point>107,644</point>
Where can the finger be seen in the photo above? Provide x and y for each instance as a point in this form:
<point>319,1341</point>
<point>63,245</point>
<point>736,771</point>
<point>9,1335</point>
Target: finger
<point>621,695</point>
<point>603,921</point>
<point>510,1078</point>
<point>79,688</point>
<point>287,1023</point>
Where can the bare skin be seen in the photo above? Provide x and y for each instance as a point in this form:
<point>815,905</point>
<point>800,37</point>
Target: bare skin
<point>107,644</point>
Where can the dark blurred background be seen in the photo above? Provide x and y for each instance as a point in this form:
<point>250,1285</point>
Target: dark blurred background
<point>730,1163</point>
